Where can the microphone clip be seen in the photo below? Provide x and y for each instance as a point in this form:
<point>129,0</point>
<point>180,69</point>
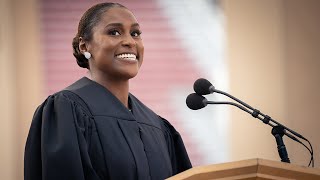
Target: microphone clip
<point>278,132</point>
<point>255,113</point>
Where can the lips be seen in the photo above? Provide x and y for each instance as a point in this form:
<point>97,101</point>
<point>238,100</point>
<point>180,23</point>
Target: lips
<point>127,56</point>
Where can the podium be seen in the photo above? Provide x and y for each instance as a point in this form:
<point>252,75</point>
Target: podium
<point>249,169</point>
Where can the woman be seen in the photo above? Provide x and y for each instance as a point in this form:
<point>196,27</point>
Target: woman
<point>95,129</point>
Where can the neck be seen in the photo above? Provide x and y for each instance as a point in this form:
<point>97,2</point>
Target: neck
<point>119,88</point>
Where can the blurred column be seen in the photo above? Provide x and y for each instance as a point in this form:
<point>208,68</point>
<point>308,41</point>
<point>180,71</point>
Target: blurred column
<point>7,90</point>
<point>28,72</point>
<point>256,57</point>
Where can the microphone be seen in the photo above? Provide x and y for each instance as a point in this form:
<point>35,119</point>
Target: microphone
<point>203,87</point>
<point>195,101</point>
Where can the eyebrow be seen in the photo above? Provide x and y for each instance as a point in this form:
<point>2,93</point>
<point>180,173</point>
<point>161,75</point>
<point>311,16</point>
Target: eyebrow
<point>119,25</point>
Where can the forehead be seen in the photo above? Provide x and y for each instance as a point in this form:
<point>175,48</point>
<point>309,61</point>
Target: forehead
<point>118,15</point>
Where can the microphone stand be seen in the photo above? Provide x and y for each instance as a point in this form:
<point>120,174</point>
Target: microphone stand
<point>278,132</point>
<point>265,118</point>
<point>203,87</point>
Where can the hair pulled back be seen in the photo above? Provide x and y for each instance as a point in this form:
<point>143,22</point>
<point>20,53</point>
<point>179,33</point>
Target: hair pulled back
<point>87,22</point>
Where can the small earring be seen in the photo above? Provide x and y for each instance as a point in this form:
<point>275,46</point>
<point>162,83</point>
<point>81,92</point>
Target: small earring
<point>87,55</point>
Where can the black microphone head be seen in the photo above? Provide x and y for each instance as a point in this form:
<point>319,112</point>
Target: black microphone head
<point>195,101</point>
<point>202,86</point>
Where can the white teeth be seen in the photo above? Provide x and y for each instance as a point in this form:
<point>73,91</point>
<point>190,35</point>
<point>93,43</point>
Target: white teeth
<point>127,56</point>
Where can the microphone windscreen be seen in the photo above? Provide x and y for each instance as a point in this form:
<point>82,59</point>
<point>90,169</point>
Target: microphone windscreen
<point>195,101</point>
<point>202,86</point>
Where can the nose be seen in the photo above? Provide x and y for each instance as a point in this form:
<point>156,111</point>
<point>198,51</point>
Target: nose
<point>128,41</point>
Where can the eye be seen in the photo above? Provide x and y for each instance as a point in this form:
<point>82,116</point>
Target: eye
<point>136,33</point>
<point>114,32</point>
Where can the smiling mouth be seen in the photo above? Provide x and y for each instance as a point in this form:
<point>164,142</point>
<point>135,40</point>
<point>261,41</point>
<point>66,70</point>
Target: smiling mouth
<point>127,56</point>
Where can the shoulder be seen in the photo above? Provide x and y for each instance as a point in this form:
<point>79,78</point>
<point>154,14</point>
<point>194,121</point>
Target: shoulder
<point>69,96</point>
<point>168,127</point>
<point>62,111</point>
<point>73,98</point>
<point>63,102</point>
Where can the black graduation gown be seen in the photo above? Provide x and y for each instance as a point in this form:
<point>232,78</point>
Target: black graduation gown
<point>85,133</point>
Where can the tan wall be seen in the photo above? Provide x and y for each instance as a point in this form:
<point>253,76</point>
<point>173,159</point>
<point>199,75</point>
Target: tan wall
<point>303,73</point>
<point>21,79</point>
<point>8,139</point>
<point>273,55</point>
<point>28,68</point>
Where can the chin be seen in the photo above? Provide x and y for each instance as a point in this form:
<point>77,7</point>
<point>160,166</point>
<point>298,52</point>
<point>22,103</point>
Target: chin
<point>133,75</point>
<point>129,75</point>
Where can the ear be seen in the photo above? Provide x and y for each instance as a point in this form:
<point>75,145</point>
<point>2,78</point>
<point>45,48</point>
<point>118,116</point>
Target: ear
<point>83,46</point>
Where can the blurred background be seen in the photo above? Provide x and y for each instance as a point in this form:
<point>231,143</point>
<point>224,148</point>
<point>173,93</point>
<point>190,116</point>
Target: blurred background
<point>264,52</point>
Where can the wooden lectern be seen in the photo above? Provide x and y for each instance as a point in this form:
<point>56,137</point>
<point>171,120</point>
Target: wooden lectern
<point>250,169</point>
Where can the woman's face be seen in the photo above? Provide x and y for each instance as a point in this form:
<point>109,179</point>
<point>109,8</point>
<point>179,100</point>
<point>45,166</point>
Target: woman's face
<point>116,46</point>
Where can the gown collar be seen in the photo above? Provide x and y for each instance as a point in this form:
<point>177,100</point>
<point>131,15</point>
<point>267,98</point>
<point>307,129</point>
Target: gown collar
<point>100,100</point>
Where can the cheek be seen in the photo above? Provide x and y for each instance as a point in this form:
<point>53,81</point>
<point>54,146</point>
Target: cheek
<point>104,44</point>
<point>108,46</point>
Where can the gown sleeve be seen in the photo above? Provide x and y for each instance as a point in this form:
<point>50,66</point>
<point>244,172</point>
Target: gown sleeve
<point>178,154</point>
<point>57,143</point>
